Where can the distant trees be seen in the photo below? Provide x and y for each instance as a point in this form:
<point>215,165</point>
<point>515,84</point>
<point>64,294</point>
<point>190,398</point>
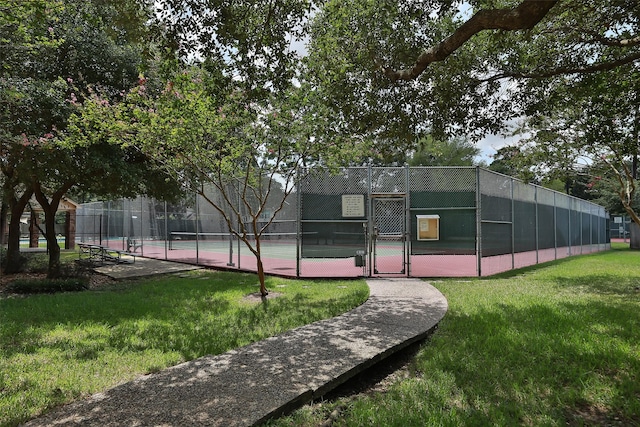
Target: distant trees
<point>453,152</point>
<point>590,123</point>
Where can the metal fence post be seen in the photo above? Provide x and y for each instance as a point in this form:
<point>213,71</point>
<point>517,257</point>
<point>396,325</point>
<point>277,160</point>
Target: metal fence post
<point>537,227</point>
<point>570,241</point>
<point>513,227</point>
<point>298,222</point>
<point>369,241</point>
<point>142,199</point>
<point>555,227</point>
<point>198,229</point>
<point>478,223</point>
<point>166,230</point>
<point>408,218</point>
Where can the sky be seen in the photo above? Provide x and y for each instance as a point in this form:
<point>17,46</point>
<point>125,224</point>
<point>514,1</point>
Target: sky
<point>490,144</point>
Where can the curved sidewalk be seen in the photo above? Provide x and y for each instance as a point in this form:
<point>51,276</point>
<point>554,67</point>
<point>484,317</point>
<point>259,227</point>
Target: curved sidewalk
<point>251,384</point>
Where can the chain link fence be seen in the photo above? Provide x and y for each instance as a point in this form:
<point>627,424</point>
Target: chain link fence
<point>363,221</point>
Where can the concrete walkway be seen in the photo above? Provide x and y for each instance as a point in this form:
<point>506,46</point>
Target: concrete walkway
<point>247,386</point>
<point>143,267</point>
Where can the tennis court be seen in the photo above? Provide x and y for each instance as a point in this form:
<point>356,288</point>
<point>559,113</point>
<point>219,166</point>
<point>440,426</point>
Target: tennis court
<point>420,222</point>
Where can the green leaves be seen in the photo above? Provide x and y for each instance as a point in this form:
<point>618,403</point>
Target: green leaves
<point>28,29</point>
<point>252,42</point>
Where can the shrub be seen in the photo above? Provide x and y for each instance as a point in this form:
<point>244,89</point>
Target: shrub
<point>43,286</point>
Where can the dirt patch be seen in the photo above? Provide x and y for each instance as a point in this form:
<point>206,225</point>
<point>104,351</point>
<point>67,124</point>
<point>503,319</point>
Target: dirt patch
<point>6,279</point>
<point>99,281</point>
<point>587,414</point>
<point>256,297</point>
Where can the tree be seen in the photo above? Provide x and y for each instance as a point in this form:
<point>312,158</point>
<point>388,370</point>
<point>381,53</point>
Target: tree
<point>251,43</point>
<point>241,156</point>
<point>56,53</point>
<point>409,66</point>
<point>247,119</point>
<point>524,16</point>
<point>79,158</point>
<point>27,42</point>
<point>590,123</point>
<point>402,67</point>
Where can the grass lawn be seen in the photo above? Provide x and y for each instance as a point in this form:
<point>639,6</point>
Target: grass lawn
<point>55,348</point>
<point>552,345</point>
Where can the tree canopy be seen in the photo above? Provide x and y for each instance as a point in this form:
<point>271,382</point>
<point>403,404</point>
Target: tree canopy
<point>55,55</point>
<point>402,67</point>
<point>397,70</point>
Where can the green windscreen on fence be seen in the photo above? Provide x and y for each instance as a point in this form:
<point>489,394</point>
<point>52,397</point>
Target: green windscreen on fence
<point>325,232</point>
<point>332,239</point>
<point>524,226</point>
<point>457,218</point>
<point>457,234</point>
<point>373,211</point>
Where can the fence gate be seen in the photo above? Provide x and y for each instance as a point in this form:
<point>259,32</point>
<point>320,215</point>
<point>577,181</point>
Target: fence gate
<point>388,234</point>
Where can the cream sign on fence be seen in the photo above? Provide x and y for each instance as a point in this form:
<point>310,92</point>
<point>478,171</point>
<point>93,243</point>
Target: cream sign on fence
<point>352,205</point>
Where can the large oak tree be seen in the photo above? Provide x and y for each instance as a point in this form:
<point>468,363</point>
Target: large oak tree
<point>396,69</point>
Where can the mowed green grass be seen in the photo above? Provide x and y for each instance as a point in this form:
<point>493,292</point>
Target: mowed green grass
<point>60,347</point>
<point>552,345</point>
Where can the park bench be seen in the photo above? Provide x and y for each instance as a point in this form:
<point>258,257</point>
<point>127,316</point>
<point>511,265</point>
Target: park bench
<point>99,253</point>
<point>132,244</point>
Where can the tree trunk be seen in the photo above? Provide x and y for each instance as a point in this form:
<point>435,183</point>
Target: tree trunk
<point>263,289</point>
<point>16,207</point>
<point>50,209</point>
<point>53,247</point>
<point>14,262</point>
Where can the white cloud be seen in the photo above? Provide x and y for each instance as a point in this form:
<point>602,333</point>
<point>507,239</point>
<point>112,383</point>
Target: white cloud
<point>490,145</point>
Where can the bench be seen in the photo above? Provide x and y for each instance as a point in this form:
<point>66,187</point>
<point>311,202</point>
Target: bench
<point>132,243</point>
<point>104,253</point>
<point>115,255</point>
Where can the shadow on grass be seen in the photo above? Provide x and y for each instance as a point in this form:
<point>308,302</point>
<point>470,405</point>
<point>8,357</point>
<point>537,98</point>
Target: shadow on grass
<point>602,284</point>
<point>574,363</point>
<point>189,315</point>
<point>129,312</point>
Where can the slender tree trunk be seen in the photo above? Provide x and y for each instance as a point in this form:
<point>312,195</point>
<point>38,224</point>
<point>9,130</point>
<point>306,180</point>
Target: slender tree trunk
<point>263,289</point>
<point>16,207</point>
